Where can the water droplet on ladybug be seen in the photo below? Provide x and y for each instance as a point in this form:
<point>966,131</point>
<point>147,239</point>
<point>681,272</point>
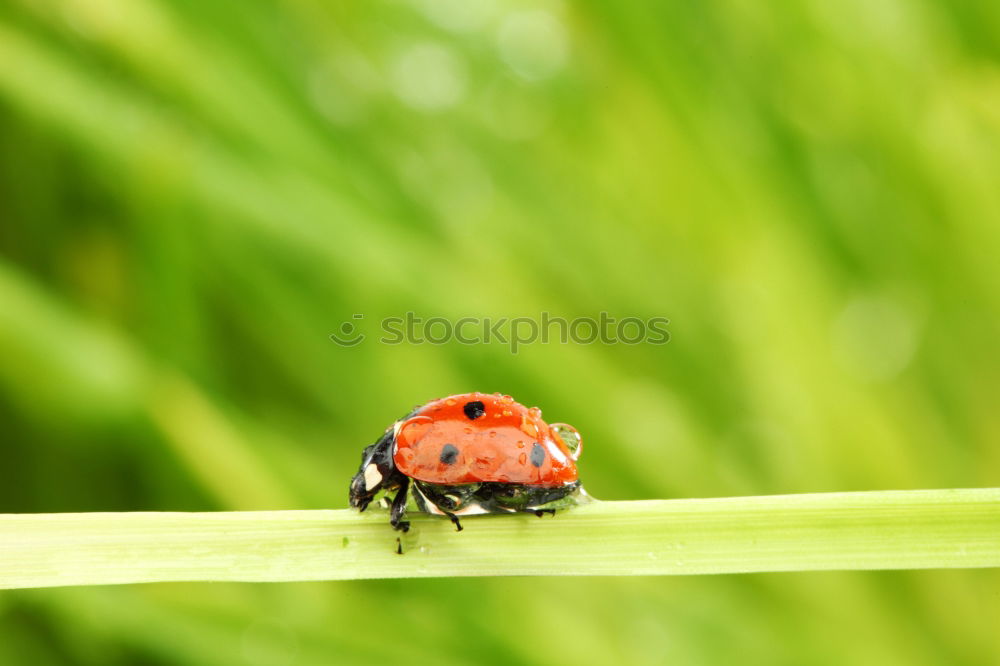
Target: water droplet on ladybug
<point>570,438</point>
<point>413,430</point>
<point>523,458</point>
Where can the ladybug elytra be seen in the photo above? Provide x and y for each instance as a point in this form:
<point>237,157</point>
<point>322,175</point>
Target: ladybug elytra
<point>468,454</point>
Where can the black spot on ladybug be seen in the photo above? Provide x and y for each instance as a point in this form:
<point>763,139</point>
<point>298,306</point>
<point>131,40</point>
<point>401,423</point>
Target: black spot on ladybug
<point>474,409</point>
<point>537,455</point>
<point>449,454</point>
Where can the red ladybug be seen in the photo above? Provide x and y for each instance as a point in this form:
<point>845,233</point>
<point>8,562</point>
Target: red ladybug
<point>469,454</point>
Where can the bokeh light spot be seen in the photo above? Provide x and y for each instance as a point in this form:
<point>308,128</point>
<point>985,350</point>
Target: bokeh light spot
<point>533,43</point>
<point>429,77</point>
<point>874,338</point>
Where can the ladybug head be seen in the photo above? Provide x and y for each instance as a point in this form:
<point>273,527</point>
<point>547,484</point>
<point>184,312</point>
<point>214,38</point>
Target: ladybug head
<point>377,471</point>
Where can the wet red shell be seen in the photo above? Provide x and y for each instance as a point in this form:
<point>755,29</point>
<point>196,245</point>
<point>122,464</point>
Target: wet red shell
<point>508,443</point>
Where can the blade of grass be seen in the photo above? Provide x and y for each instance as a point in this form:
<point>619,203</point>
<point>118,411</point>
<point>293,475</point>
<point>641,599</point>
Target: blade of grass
<point>869,530</point>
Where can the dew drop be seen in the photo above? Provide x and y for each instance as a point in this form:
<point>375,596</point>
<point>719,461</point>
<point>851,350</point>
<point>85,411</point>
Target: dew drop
<point>569,437</point>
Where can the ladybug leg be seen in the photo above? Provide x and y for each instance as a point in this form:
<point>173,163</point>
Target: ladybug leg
<point>399,507</point>
<point>446,499</point>
<point>454,519</point>
<point>542,512</point>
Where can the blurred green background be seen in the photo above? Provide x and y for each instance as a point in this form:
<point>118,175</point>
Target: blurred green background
<point>195,195</point>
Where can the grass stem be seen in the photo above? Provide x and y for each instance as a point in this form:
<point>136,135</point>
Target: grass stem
<point>863,530</point>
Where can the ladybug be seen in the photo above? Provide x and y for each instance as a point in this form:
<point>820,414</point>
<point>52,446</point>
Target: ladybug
<point>472,453</point>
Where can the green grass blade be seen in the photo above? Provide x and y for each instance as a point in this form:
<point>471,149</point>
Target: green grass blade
<point>868,530</point>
